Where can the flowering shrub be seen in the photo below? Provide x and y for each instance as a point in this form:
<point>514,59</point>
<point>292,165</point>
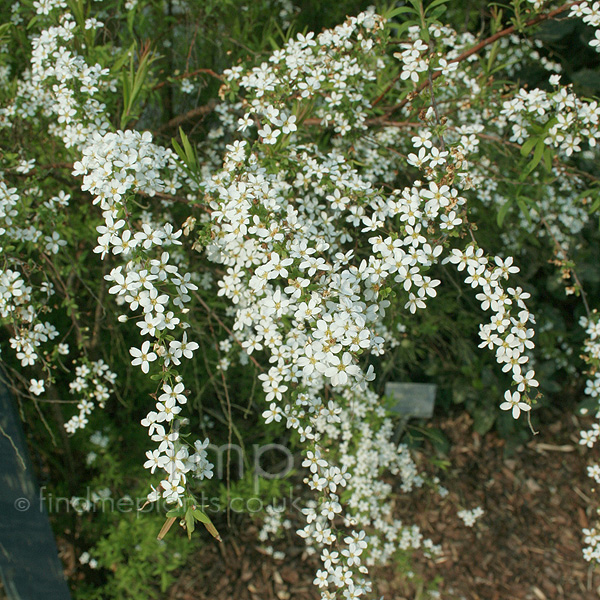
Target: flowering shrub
<point>315,225</point>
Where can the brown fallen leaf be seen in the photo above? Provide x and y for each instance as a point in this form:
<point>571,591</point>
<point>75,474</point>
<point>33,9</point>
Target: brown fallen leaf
<point>165,528</point>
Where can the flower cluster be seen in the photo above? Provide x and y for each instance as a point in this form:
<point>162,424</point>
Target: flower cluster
<point>324,68</point>
<point>592,386</point>
<point>590,436</point>
<point>63,88</point>
<point>114,167</point>
<point>51,92</point>
<point>285,235</point>
<point>470,516</point>
<point>93,384</point>
<point>590,14</point>
<point>54,87</point>
<point>507,333</point>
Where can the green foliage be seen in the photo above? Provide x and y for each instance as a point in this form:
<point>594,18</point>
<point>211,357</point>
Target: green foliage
<point>135,83</point>
<point>134,563</point>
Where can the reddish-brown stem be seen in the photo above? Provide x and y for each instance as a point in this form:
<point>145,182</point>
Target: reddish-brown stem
<point>199,111</point>
<point>188,75</point>
<point>490,40</point>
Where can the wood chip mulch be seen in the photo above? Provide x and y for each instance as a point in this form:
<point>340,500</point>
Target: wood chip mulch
<point>526,546</point>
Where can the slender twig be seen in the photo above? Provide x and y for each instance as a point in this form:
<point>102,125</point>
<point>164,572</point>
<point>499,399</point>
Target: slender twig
<point>192,44</point>
<point>100,310</point>
<point>530,424</point>
<point>218,320</point>
<point>199,111</point>
<point>383,122</point>
<point>188,75</point>
<point>229,429</point>
<point>433,102</point>
<point>571,269</point>
<point>14,447</point>
<point>389,86</point>
<point>67,296</point>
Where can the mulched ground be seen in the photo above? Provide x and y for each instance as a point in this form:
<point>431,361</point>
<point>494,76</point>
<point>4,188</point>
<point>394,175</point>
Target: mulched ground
<point>527,545</point>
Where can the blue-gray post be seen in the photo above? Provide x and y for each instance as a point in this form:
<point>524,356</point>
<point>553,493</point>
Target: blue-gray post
<point>29,565</point>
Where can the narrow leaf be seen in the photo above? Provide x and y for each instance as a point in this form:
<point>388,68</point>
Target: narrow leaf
<point>201,516</point>
<point>189,522</point>
<point>434,4</point>
<point>548,156</point>
<point>524,209</point>
<point>204,518</point>
<point>213,531</point>
<point>400,10</point>
<point>537,156</point>
<point>165,528</point>
<point>528,145</point>
<point>502,213</point>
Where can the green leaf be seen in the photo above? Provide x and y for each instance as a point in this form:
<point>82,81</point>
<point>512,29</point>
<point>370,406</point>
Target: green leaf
<point>176,512</point>
<point>201,515</point>
<point>4,28</point>
<point>135,81</point>
<point>528,145</point>
<point>399,11</point>
<point>595,204</point>
<point>492,56</point>
<point>537,157</point>
<point>400,27</point>
<point>132,16</point>
<point>438,440</point>
<point>192,160</point>
<point>178,149</point>
<point>187,154</point>
<point>502,213</point>
<point>524,208</point>
<point>434,4</point>
<point>32,22</point>
<point>436,14</point>
<point>78,11</point>
<point>548,156</point>
<point>123,57</point>
<point>190,523</point>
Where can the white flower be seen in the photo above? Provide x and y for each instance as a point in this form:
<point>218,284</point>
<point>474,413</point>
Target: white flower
<point>268,135</point>
<point>513,402</point>
<point>524,381</point>
<point>143,356</point>
<point>36,386</point>
<point>273,414</point>
<point>175,393</point>
<point>339,369</point>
